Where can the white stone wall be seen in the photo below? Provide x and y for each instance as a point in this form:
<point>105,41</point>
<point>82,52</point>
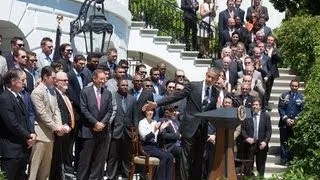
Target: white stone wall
<point>35,19</point>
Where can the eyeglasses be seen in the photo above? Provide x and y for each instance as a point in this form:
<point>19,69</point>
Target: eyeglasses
<point>33,60</point>
<point>23,57</point>
<point>180,76</point>
<point>20,45</point>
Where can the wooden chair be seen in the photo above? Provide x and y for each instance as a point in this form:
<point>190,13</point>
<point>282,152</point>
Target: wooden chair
<point>141,158</point>
<point>244,164</point>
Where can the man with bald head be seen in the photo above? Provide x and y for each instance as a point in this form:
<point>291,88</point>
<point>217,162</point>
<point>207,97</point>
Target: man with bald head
<point>201,96</point>
<point>61,143</point>
<point>230,74</point>
<point>227,33</point>
<point>226,14</point>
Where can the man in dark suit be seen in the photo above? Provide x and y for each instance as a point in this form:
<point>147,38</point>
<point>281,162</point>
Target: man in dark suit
<point>225,15</point>
<point>20,59</point>
<point>201,96</point>
<point>170,137</point>
<point>61,143</point>
<point>226,34</point>
<point>65,51</point>
<point>141,95</point>
<point>77,80</point>
<point>274,54</point>
<point>259,9</point>
<point>16,132</point>
<point>110,60</point>
<point>239,11</point>
<point>16,42</point>
<point>155,76</point>
<point>190,8</point>
<point>245,98</point>
<point>257,133</point>
<point>120,147</point>
<point>96,107</point>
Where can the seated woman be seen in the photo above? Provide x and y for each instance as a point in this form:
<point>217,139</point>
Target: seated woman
<point>148,131</point>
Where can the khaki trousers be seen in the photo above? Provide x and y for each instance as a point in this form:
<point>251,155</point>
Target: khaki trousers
<point>40,164</point>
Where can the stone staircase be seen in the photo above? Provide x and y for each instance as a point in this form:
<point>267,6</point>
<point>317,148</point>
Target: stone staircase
<point>280,85</point>
<point>160,48</point>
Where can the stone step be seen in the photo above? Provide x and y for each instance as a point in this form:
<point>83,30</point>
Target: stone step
<point>137,24</point>
<point>284,70</point>
<point>275,168</point>
<point>275,138</point>
<point>280,82</point>
<point>189,55</point>
<point>201,62</point>
<point>148,32</point>
<point>273,159</point>
<point>287,77</point>
<point>279,89</point>
<point>274,148</point>
<point>162,39</point>
<point>176,47</point>
<point>275,128</point>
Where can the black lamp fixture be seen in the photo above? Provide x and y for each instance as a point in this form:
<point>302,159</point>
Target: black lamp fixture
<point>95,25</point>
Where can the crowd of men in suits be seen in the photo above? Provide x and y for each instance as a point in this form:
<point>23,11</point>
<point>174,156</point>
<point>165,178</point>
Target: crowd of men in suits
<point>74,114</point>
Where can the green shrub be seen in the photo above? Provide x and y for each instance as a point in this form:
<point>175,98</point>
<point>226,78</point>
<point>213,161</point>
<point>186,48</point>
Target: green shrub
<point>299,40</point>
<point>306,142</point>
<point>293,174</point>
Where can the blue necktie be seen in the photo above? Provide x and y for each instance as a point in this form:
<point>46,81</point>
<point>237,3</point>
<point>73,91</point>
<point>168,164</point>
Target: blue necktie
<point>124,103</point>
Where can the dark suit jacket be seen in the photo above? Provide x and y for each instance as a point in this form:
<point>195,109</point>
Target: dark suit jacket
<point>144,97</point>
<point>74,89</point>
<point>223,19</point>
<point>10,60</point>
<point>64,111</point>
<point>30,108</point>
<point>224,38</point>
<point>66,64</point>
<point>240,13</point>
<point>91,113</point>
<point>264,132</point>
<point>193,93</point>
<point>124,118</point>
<point>219,64</point>
<point>266,66</point>
<point>30,82</point>
<point>248,101</point>
<point>15,128</point>
<point>264,11</point>
<point>168,135</point>
<point>188,11</point>
<point>275,59</point>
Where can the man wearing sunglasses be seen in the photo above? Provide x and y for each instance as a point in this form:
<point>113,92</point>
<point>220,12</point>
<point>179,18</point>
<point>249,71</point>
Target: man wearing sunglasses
<point>16,42</point>
<point>20,58</point>
<point>65,51</point>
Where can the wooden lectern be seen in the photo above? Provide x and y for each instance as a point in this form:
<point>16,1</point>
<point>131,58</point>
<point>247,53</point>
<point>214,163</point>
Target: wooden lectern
<point>225,120</point>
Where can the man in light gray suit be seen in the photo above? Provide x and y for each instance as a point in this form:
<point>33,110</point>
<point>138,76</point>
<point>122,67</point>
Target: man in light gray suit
<point>48,122</point>
<point>96,108</point>
<point>120,147</point>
